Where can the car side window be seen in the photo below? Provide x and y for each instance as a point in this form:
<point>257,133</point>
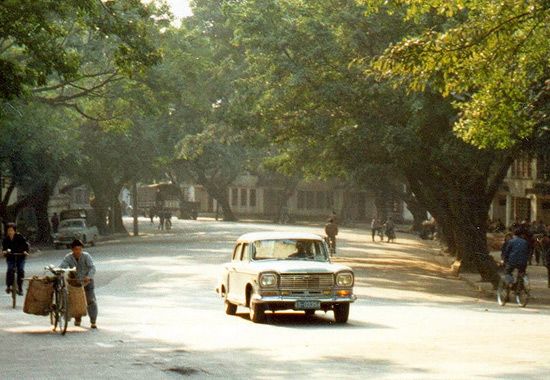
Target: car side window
<point>237,252</point>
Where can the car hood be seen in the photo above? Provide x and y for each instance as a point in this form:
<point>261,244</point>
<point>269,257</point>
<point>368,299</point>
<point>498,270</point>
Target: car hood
<point>295,266</point>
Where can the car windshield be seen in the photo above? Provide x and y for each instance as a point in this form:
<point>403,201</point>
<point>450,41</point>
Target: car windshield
<point>71,224</point>
<point>289,250</point>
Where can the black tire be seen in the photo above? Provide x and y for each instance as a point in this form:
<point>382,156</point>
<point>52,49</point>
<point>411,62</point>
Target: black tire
<point>61,311</point>
<point>57,246</point>
<point>341,313</point>
<point>257,313</point>
<point>92,243</point>
<point>14,290</point>
<point>503,292</point>
<point>522,293</point>
<point>84,239</point>
<point>230,308</point>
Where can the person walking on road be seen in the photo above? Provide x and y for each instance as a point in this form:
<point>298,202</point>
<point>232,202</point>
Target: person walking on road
<point>85,272</point>
<point>331,230</point>
<point>389,227</point>
<point>375,228</point>
<point>14,242</point>
<point>545,248</point>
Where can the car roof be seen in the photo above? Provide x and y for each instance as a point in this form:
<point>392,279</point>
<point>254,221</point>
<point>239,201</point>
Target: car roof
<point>277,235</point>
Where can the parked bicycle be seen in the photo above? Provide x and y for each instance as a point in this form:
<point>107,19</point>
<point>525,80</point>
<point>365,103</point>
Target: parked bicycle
<point>518,284</point>
<point>15,291</point>
<point>59,314</point>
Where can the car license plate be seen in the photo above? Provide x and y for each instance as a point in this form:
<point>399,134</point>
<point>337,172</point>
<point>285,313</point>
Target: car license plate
<point>305,305</point>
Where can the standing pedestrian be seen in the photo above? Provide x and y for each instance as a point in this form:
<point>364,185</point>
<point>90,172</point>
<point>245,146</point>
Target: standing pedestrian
<point>55,222</point>
<point>161,217</point>
<point>389,227</point>
<point>545,248</point>
<point>331,230</point>
<point>85,272</point>
<point>14,242</point>
<point>375,228</point>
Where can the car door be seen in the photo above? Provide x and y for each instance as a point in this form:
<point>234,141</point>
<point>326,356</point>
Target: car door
<point>232,274</point>
<point>242,273</point>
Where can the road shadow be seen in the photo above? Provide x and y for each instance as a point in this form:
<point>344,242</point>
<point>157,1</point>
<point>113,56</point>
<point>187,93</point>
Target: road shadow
<point>319,320</point>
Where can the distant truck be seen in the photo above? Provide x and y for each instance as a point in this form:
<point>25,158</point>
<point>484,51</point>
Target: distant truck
<point>167,197</point>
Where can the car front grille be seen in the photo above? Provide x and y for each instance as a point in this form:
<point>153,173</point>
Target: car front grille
<point>307,281</point>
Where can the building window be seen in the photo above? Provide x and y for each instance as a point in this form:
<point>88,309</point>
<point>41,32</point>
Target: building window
<point>252,200</point>
<point>243,197</point>
<point>234,197</point>
<point>521,168</point>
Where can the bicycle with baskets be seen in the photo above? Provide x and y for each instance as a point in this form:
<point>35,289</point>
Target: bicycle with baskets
<point>59,314</point>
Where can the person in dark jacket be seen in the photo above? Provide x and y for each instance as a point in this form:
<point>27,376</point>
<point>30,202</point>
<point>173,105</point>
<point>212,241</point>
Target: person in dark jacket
<point>545,248</point>
<point>516,253</point>
<point>14,243</point>
<point>331,230</point>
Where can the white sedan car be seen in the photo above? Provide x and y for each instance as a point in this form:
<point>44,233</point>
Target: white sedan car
<point>272,271</point>
<point>70,229</point>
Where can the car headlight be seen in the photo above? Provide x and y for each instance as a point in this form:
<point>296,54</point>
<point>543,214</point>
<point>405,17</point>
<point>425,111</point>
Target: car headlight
<point>344,279</point>
<point>268,280</point>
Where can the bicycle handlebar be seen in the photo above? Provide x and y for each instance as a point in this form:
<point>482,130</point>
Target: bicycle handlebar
<point>10,253</point>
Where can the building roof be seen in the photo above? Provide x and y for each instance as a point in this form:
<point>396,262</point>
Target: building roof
<point>278,235</point>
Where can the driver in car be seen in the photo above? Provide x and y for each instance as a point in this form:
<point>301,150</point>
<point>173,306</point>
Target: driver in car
<point>301,251</point>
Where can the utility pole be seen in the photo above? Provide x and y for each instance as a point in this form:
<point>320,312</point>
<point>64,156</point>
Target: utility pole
<point>134,208</point>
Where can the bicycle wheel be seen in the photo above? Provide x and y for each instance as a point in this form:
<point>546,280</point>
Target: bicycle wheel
<point>522,292</point>
<point>14,290</point>
<point>63,311</point>
<point>503,292</point>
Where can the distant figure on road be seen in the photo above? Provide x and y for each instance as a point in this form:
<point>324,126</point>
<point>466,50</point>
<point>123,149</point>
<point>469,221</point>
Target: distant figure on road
<point>85,272</point>
<point>375,228</point>
<point>389,228</point>
<point>331,230</point>
<point>55,222</point>
<point>545,244</point>
<point>515,254</point>
<point>161,217</point>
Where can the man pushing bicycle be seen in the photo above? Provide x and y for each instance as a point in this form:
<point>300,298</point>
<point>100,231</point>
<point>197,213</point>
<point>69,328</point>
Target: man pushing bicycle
<point>85,271</point>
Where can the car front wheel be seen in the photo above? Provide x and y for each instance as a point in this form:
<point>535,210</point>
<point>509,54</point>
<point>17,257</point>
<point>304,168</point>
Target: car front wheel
<point>341,312</point>
<point>257,313</point>
<point>230,308</point>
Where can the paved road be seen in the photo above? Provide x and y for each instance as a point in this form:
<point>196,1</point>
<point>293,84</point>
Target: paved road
<point>160,318</point>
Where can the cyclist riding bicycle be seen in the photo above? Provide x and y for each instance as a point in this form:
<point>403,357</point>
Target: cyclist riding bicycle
<point>15,243</point>
<point>515,255</point>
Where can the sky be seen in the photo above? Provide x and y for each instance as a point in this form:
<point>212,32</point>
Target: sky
<point>180,7</point>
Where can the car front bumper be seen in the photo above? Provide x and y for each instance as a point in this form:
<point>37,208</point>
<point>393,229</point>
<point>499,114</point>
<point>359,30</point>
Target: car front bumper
<point>289,302</point>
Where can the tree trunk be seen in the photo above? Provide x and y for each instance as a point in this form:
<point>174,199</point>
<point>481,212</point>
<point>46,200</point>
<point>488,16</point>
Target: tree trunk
<point>43,229</point>
<point>116,224</point>
<point>228,215</point>
<point>419,213</point>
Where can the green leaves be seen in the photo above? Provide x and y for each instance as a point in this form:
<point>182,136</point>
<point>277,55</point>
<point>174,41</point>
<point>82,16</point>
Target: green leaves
<point>486,56</point>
